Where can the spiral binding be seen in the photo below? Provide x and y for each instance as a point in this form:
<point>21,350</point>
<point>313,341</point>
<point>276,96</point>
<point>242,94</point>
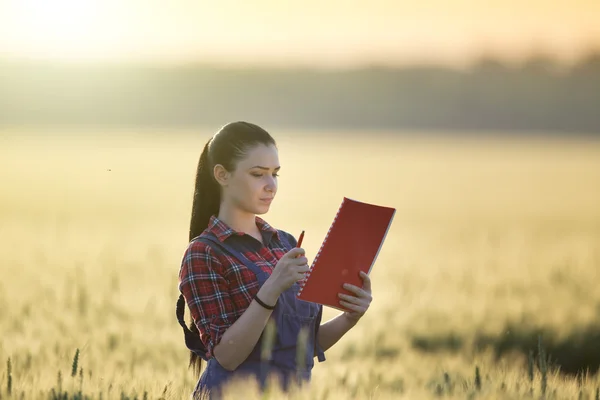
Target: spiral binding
<point>321,248</point>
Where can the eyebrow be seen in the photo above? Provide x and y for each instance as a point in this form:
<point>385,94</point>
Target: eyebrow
<point>265,168</point>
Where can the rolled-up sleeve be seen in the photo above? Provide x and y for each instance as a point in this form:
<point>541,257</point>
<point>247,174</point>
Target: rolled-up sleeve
<point>206,292</point>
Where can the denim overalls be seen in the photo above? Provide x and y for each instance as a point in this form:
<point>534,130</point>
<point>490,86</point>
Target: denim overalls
<point>289,315</point>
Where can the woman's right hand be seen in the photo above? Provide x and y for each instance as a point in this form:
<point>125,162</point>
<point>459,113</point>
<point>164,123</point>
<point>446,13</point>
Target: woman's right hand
<point>291,268</point>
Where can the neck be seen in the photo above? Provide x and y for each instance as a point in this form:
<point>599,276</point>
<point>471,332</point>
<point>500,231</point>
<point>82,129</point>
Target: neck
<point>237,219</point>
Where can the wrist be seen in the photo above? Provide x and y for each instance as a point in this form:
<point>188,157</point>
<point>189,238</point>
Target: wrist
<point>268,293</point>
<point>352,321</point>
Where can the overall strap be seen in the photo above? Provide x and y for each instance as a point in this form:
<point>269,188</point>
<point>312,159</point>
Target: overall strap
<point>231,251</point>
<point>284,241</point>
<point>192,340</point>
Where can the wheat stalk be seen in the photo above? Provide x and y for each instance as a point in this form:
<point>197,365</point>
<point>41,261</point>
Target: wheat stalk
<point>9,377</point>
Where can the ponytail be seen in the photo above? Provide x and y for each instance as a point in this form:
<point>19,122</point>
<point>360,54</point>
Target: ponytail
<point>206,203</point>
<point>207,196</point>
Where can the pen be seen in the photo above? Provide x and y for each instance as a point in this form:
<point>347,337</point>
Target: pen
<point>300,239</point>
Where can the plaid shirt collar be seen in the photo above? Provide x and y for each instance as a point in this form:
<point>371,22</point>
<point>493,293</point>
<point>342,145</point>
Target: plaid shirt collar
<point>222,231</point>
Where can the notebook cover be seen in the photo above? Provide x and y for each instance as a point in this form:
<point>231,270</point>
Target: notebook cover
<point>351,245</point>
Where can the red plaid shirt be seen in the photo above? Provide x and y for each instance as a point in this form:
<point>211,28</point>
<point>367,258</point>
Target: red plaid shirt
<point>218,288</point>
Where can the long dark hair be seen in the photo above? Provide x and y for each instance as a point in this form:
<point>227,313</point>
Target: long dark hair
<point>230,144</point>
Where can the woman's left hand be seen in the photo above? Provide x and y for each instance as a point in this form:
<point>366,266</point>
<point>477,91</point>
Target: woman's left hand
<point>359,302</point>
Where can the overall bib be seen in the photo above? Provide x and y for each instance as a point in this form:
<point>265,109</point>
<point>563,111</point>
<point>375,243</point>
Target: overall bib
<point>290,316</point>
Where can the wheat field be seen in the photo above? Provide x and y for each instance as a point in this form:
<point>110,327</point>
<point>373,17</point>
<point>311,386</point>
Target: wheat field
<point>494,250</point>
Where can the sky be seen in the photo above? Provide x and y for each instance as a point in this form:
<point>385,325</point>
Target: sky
<point>307,32</point>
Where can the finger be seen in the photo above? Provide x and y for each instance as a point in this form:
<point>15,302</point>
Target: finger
<point>366,281</point>
<point>356,290</point>
<point>300,261</point>
<point>351,299</point>
<point>300,276</point>
<point>295,252</point>
<point>301,268</point>
<point>353,307</point>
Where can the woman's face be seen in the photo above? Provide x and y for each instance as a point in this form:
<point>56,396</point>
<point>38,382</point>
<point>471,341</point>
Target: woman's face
<point>253,184</point>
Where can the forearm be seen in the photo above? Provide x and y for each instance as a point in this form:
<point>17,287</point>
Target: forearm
<point>332,331</point>
<point>239,339</point>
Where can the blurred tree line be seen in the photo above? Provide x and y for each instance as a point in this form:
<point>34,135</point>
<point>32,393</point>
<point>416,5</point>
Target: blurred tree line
<point>537,95</point>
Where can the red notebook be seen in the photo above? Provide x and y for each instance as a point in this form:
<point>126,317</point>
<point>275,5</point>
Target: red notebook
<point>351,245</point>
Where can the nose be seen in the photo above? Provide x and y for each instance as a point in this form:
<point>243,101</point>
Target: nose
<point>271,185</point>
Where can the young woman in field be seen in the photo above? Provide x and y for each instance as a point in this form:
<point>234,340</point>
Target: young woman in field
<point>238,272</point>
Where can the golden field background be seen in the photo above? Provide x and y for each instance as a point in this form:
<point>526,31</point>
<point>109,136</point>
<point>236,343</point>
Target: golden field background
<point>493,239</point>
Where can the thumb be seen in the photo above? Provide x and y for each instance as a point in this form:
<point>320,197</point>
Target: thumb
<point>366,281</point>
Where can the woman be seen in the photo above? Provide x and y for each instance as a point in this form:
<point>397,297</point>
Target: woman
<point>238,272</point>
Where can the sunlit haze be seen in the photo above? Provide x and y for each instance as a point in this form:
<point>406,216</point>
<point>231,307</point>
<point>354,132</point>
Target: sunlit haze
<point>330,32</point>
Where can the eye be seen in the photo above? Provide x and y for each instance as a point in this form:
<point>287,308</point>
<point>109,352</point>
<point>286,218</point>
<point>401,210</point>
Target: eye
<point>275,175</point>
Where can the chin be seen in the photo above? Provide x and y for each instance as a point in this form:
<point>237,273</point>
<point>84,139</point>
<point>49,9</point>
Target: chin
<point>262,209</point>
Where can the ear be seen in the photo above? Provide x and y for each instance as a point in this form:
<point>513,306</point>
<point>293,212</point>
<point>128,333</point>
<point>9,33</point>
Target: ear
<point>221,175</point>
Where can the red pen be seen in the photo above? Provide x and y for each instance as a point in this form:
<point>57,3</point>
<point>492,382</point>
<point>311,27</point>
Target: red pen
<point>300,239</point>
